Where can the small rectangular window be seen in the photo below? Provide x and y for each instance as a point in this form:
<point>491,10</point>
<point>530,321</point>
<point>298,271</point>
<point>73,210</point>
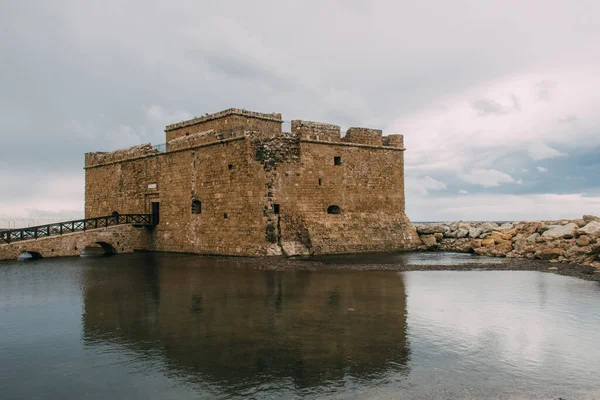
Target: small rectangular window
<point>230,167</point>
<point>276,208</point>
<point>337,160</point>
<point>225,215</point>
<point>320,181</point>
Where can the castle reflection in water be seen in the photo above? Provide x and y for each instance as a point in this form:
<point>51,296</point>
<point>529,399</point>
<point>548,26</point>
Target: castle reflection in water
<point>223,323</point>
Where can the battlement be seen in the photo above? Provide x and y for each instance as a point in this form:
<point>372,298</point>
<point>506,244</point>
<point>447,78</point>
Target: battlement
<point>322,132</point>
<point>273,117</point>
<point>372,137</point>
<point>99,158</point>
<point>227,120</point>
<point>316,131</point>
<point>393,140</point>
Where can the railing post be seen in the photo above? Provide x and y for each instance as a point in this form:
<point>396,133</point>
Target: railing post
<point>48,230</point>
<point>60,228</point>
<point>35,233</point>
<point>8,235</point>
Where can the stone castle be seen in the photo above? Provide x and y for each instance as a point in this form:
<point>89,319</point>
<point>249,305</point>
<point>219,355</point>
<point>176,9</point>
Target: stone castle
<point>233,183</point>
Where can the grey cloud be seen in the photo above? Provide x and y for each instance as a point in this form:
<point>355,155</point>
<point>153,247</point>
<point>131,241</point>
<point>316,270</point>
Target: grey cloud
<point>489,107</point>
<point>235,66</point>
<point>80,76</point>
<point>571,119</point>
<point>545,89</point>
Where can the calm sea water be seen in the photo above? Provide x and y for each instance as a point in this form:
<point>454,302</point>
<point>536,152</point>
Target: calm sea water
<point>186,327</point>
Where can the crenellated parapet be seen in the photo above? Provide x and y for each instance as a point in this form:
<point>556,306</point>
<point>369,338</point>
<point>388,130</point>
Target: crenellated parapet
<point>371,137</point>
<point>310,130</point>
<point>229,120</point>
<point>101,158</point>
<point>393,140</point>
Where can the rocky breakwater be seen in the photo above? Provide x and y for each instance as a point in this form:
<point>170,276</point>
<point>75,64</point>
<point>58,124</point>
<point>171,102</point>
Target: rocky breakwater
<point>569,241</point>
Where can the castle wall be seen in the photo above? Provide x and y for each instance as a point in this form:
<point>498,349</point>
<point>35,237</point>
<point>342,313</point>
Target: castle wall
<point>260,192</point>
<point>122,186</point>
<point>231,220</point>
<point>223,176</point>
<point>368,186</point>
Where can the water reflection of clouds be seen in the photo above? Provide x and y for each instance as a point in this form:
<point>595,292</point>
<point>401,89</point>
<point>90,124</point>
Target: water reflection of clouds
<point>532,323</point>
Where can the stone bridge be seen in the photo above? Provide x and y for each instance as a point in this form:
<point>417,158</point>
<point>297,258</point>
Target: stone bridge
<point>111,239</point>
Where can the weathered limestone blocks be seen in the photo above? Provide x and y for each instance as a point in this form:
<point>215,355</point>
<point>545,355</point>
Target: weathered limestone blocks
<point>393,140</point>
<point>138,151</point>
<point>359,232</point>
<point>195,139</point>
<point>574,241</point>
<point>229,120</point>
<point>294,248</point>
<point>316,130</point>
<point>372,137</point>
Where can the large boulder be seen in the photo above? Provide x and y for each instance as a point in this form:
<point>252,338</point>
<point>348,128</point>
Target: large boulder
<point>429,241</point>
<point>429,229</point>
<point>475,232</point>
<point>274,250</point>
<point>561,231</point>
<point>294,249</point>
<point>592,228</point>
<point>549,253</point>
<point>589,218</point>
<point>488,227</point>
<point>464,225</point>
<point>509,234</point>
<point>490,248</point>
<point>462,233</point>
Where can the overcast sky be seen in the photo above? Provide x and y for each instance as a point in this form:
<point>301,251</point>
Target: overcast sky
<point>498,100</point>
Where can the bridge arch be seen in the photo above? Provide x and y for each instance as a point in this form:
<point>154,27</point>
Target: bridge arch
<point>29,256</point>
<point>98,249</point>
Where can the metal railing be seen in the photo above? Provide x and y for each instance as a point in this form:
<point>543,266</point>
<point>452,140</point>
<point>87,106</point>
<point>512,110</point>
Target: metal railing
<point>80,225</point>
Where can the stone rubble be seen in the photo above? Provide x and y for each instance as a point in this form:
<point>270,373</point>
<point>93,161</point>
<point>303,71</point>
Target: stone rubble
<point>563,241</point>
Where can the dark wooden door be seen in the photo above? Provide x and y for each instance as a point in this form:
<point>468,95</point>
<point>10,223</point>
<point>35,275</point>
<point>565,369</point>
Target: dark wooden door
<point>155,211</point>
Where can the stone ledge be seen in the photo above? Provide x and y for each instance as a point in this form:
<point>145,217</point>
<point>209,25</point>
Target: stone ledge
<point>346,144</point>
<point>214,143</point>
<point>273,117</point>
